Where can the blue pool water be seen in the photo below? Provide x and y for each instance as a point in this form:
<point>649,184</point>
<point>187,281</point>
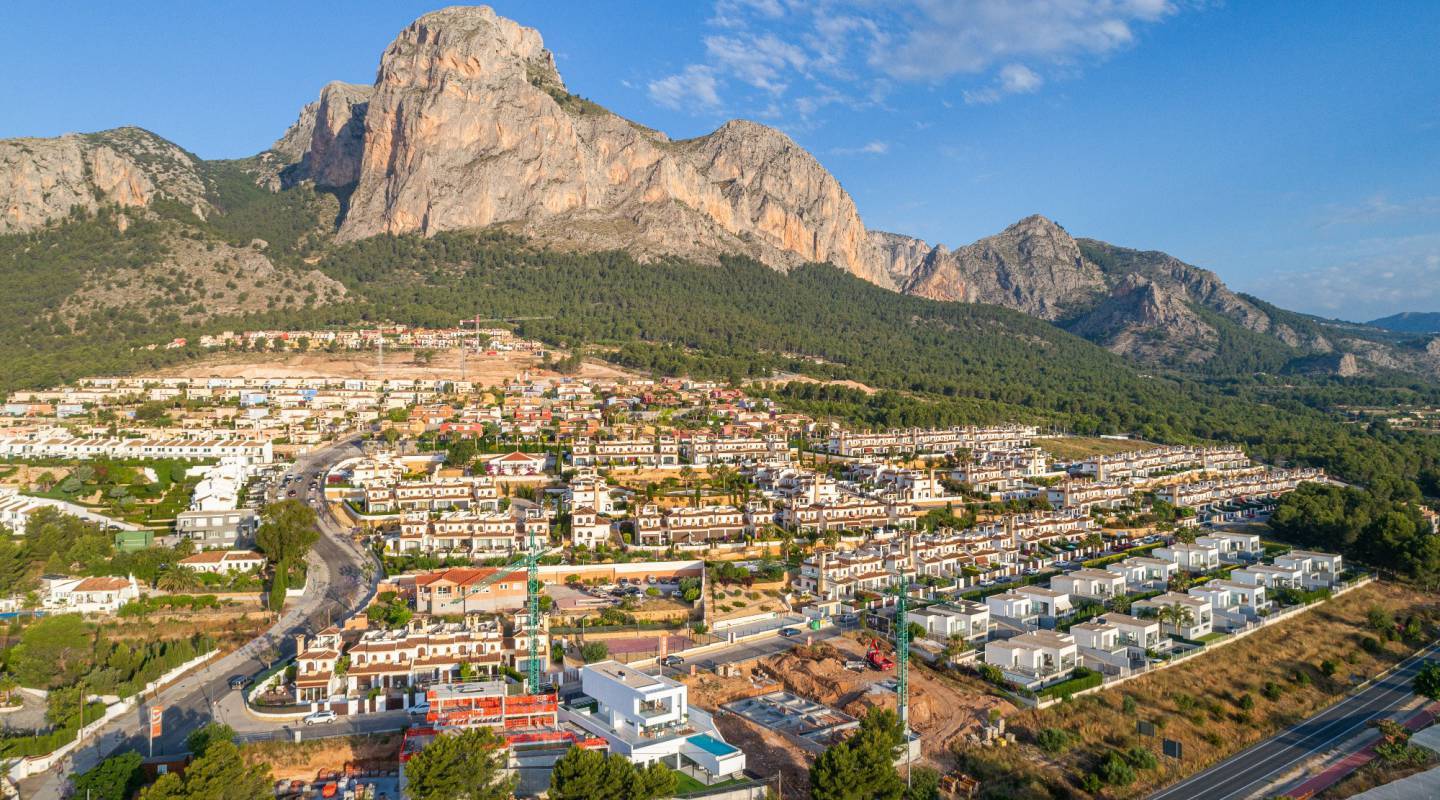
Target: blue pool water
<point>711,745</point>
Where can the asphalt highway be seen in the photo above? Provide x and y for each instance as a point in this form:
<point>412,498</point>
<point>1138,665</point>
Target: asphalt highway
<point>1251,771</point>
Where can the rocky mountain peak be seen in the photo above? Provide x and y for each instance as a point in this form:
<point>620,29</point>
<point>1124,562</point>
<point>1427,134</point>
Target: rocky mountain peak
<point>466,44</point>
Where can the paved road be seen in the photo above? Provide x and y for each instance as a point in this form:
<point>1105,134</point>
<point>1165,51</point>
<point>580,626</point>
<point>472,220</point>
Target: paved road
<point>758,649</point>
<point>1249,772</point>
<point>339,583</point>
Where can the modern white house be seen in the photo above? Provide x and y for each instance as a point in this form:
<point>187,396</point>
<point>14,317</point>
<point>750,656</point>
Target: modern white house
<point>1046,602</point>
<point>1034,658</point>
<point>1233,546</point>
<point>1093,584</point>
<point>965,618</point>
<point>1136,632</point>
<point>1198,620</point>
<point>1142,572</point>
<point>1190,557</point>
<point>1318,570</point>
<point>648,718</point>
<point>1270,576</point>
<point>1235,604</point>
<point>1011,604</point>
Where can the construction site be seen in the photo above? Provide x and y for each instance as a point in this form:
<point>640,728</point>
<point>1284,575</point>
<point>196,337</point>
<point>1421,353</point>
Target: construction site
<point>783,710</point>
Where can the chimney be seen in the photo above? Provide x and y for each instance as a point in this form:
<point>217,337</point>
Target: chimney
<point>299,643</point>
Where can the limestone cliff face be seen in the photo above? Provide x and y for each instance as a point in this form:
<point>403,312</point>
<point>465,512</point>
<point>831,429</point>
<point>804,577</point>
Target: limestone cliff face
<point>326,142</point>
<point>43,179</point>
<point>899,255</point>
<point>470,125</point>
<point>1032,266</point>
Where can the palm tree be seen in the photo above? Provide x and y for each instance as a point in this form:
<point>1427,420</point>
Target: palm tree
<point>177,579</point>
<point>1175,615</point>
<point>955,645</point>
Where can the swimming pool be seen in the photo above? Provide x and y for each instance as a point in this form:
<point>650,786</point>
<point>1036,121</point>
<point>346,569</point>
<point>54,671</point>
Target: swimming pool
<point>711,745</point>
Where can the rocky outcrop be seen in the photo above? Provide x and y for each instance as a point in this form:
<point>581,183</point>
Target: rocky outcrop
<point>1146,320</point>
<point>1032,266</point>
<point>42,180</point>
<point>469,125</point>
<point>899,255</point>
<point>326,143</point>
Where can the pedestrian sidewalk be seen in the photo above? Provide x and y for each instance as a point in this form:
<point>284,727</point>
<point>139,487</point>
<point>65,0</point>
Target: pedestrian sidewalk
<point>1348,764</point>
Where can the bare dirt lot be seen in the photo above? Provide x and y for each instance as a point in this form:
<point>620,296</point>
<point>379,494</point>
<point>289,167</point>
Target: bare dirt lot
<point>444,364</point>
<point>305,761</point>
<point>944,706</point>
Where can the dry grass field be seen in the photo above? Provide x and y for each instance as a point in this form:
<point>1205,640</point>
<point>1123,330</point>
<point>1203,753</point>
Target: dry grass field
<point>1067,448</point>
<point>1215,704</point>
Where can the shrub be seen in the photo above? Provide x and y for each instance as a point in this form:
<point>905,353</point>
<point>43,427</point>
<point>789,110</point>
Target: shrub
<point>1246,702</point>
<point>1141,758</point>
<point>1272,690</point>
<point>594,651</point>
<point>1328,668</point>
<point>1371,645</point>
<point>1128,705</point>
<point>1116,771</point>
<point>1053,740</point>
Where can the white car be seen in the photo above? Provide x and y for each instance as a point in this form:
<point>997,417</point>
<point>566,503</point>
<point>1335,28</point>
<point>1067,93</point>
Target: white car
<point>319,718</point>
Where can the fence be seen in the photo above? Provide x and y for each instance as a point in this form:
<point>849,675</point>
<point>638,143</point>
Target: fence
<point>1116,680</point>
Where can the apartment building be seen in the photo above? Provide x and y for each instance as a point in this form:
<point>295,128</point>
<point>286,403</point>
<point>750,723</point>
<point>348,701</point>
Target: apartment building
<point>1264,484</point>
<point>478,535</point>
<point>1317,570</point>
<point>1144,463</point>
<point>1085,495</point>
<point>437,494</point>
<point>929,440</point>
<point>703,449</point>
<point>851,513</point>
<point>424,653</point>
<point>655,451</point>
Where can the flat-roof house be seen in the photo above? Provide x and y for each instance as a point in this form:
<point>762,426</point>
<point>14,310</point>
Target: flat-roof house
<point>1046,602</point>
<point>1233,546</point>
<point>1235,604</point>
<point>1318,570</point>
<point>1197,617</point>
<point>648,718</point>
<point>1270,576</point>
<point>965,618</point>
<point>1096,584</point>
<point>1143,572</point>
<point>1011,604</point>
<point>1190,557</point>
<point>1034,658</point>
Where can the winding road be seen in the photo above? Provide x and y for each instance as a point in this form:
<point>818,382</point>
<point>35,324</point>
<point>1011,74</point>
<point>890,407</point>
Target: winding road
<point>342,577</point>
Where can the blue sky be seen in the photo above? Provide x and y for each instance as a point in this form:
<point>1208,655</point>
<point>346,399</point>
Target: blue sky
<point>1294,148</point>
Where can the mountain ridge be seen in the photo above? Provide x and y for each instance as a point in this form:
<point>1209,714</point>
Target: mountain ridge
<point>469,125</point>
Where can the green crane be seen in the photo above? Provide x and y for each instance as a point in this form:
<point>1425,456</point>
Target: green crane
<point>902,653</point>
<point>530,562</point>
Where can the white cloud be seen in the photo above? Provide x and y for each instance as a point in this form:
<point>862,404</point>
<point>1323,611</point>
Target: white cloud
<point>875,148</point>
<point>938,39</point>
<point>1013,79</point>
<point>1370,278</point>
<point>761,61</point>
<point>693,89</point>
<point>1380,208</point>
<point>785,49</point>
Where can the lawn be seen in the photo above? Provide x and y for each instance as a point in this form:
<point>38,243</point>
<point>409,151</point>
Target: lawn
<point>684,784</point>
<point>1214,704</point>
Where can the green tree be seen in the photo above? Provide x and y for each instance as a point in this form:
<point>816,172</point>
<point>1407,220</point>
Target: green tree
<point>287,531</point>
<point>1427,680</point>
<point>460,766</point>
<point>115,778</point>
<point>202,738</point>
<point>924,784</point>
<point>594,651</point>
<point>582,774</point>
<point>219,774</point>
<point>53,651</point>
<point>863,766</point>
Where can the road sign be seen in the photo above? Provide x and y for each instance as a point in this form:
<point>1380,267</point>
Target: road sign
<point>1144,728</point>
<point>157,716</point>
<point>1171,748</point>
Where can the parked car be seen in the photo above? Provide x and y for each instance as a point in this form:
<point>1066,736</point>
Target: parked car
<point>849,619</point>
<point>239,681</point>
<point>787,632</point>
<point>673,661</point>
<point>319,718</point>
<point>420,708</point>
